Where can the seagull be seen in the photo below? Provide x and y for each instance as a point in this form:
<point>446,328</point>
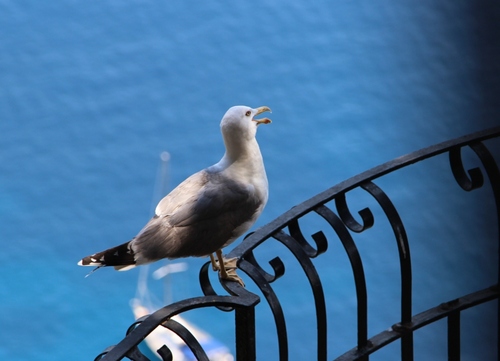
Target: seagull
<point>209,210</point>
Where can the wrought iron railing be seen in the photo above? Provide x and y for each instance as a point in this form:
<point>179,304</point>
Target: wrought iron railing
<point>287,230</point>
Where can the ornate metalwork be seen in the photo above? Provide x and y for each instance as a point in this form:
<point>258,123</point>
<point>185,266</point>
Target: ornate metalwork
<point>287,230</point>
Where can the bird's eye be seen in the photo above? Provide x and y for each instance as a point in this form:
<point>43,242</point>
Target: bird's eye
<point>248,113</point>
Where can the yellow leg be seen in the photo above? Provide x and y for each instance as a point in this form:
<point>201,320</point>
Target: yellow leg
<point>223,273</point>
<point>215,266</point>
<point>228,268</point>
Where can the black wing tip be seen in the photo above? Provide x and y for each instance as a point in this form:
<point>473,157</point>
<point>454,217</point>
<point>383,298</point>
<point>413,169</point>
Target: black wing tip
<point>120,256</point>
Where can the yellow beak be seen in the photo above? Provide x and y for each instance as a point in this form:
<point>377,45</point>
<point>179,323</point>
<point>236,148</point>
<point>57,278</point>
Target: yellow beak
<point>261,110</point>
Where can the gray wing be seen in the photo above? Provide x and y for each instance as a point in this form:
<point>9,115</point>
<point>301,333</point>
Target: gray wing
<point>200,216</point>
<point>219,197</point>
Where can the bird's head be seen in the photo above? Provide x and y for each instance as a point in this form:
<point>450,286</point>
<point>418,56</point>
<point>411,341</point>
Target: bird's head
<point>240,121</point>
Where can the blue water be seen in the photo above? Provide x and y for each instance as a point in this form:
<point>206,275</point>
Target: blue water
<point>91,93</point>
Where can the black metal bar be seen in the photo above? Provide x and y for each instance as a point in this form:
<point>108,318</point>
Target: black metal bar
<point>422,319</point>
<point>146,326</point>
<point>402,244</point>
<point>245,334</point>
<point>475,181</point>
<point>358,273</point>
<point>404,261</point>
<point>165,353</point>
<point>493,173</point>
<point>263,280</point>
<point>319,238</point>
<point>188,339</point>
<point>316,287</point>
<point>454,336</point>
<point>136,355</point>
<point>346,216</point>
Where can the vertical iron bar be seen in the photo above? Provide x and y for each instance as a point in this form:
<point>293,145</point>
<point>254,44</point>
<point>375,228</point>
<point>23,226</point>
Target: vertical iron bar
<point>405,265</point>
<point>357,269</point>
<point>454,336</point>
<point>407,346</point>
<point>263,279</point>
<point>245,333</point>
<point>491,168</point>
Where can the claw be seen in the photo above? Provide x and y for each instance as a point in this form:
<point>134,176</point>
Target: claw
<point>232,276</point>
<point>228,269</point>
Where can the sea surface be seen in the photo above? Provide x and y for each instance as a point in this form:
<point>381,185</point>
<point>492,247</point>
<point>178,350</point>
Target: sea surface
<point>91,93</point>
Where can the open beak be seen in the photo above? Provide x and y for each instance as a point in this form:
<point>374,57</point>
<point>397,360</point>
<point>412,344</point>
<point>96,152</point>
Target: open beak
<point>261,110</point>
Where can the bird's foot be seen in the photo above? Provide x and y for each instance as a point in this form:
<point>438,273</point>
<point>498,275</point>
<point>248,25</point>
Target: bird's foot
<point>228,272</point>
<point>228,269</point>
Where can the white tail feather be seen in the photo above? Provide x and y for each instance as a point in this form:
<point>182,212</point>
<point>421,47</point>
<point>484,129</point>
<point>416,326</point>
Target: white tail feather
<point>124,268</point>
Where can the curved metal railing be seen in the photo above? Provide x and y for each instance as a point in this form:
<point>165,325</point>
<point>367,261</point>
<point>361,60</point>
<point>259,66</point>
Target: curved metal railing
<point>286,229</point>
